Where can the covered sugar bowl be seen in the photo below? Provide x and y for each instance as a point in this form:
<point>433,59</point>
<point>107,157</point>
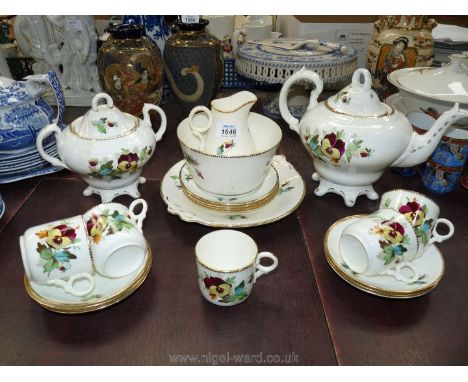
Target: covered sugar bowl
<point>106,147</point>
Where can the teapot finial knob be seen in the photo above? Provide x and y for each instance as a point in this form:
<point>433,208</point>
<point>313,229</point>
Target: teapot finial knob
<point>362,73</point>
<point>98,97</point>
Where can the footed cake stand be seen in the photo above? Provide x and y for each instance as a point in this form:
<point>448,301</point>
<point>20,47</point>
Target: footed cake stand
<point>275,60</point>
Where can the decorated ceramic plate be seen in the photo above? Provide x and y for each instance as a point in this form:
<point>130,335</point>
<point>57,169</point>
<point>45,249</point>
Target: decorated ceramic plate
<point>430,265</point>
<point>107,292</point>
<point>290,194</point>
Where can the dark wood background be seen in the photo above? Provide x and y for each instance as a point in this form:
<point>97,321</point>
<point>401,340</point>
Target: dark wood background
<point>302,312</point>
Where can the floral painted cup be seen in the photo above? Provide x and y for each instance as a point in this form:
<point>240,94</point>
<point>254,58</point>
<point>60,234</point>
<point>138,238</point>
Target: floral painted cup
<point>383,243</point>
<point>228,265</point>
<point>58,253</point>
<point>422,213</point>
<point>118,245</point>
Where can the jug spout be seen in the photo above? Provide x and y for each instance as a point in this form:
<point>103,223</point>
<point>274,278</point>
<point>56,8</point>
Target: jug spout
<point>237,103</point>
<point>421,147</point>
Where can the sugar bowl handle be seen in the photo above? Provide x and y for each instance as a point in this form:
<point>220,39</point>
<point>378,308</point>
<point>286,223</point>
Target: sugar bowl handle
<point>147,107</point>
<point>44,133</point>
<point>196,130</point>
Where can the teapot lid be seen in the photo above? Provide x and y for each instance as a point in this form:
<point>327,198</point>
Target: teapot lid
<point>358,99</point>
<point>103,122</point>
<point>13,92</point>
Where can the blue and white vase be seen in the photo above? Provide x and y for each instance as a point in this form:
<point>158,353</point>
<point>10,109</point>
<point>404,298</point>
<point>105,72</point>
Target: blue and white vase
<point>23,113</point>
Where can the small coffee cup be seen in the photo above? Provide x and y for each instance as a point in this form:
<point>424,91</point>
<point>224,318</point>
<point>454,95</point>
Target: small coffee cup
<point>228,265</point>
<point>383,243</point>
<point>58,253</point>
<point>118,245</point>
<point>422,213</point>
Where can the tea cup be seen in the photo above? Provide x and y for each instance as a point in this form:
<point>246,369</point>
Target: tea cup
<point>384,243</point>
<point>58,253</point>
<point>228,264</point>
<point>422,213</point>
<point>118,245</point>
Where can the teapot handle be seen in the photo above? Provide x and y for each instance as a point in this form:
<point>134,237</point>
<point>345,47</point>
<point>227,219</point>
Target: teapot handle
<point>300,75</point>
<point>44,133</point>
<point>34,89</point>
<point>147,107</point>
<point>198,131</point>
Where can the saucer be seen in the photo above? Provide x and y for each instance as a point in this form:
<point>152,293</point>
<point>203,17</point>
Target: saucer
<point>107,292</point>
<point>430,265</point>
<point>290,193</point>
<point>238,203</point>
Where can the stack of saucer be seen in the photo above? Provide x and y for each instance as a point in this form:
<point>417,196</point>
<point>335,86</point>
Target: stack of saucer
<point>390,253</point>
<point>26,163</point>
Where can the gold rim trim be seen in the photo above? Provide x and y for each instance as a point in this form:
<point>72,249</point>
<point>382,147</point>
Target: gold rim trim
<point>386,114</point>
<point>369,288</point>
<point>85,307</point>
<point>215,225</point>
<point>273,148</point>
<point>412,192</point>
<point>136,125</point>
<point>230,207</point>
<point>229,271</point>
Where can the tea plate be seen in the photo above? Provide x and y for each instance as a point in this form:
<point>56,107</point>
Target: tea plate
<point>289,196</point>
<point>431,267</point>
<point>250,201</point>
<point>107,292</point>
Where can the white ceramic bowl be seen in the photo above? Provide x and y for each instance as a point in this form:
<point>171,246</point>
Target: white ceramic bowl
<point>434,89</point>
<point>234,175</point>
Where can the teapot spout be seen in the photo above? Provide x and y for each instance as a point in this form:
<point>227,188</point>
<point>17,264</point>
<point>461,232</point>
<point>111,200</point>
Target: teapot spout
<point>422,146</point>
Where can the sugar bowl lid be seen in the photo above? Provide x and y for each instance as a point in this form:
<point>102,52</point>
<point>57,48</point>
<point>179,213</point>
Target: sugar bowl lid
<point>104,121</point>
<point>358,99</point>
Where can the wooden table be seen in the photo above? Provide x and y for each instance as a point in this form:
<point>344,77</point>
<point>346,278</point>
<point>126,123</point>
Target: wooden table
<point>302,313</point>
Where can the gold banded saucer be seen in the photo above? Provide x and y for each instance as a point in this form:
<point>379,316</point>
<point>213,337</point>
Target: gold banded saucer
<point>430,265</point>
<point>107,292</point>
<point>235,203</point>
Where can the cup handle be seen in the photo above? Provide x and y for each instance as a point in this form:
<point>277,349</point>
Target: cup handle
<point>68,285</point>
<point>44,133</point>
<point>146,118</point>
<point>138,218</point>
<point>198,131</point>
<point>437,238</point>
<point>396,272</point>
<point>261,269</point>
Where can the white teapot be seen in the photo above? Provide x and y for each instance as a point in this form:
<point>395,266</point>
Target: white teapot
<point>353,137</point>
<point>107,147</point>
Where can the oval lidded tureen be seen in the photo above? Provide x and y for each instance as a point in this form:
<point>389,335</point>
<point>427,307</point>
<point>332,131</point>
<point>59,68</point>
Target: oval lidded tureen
<point>23,112</point>
<point>106,147</point>
<point>353,137</point>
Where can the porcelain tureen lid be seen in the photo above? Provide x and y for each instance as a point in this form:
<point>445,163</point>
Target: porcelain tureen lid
<point>449,83</point>
<point>13,92</point>
<point>104,121</point>
<point>358,99</point>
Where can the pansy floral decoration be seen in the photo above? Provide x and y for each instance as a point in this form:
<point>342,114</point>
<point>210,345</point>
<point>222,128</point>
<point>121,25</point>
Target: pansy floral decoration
<point>416,215</point>
<point>128,162</point>
<point>224,290</point>
<point>393,240</point>
<point>332,147</point>
<point>96,225</point>
<point>54,247</point>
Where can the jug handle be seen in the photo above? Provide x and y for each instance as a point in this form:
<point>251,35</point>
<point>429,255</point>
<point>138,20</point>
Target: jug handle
<point>138,218</point>
<point>198,131</point>
<point>301,75</point>
<point>147,107</point>
<point>44,133</point>
<point>51,77</point>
